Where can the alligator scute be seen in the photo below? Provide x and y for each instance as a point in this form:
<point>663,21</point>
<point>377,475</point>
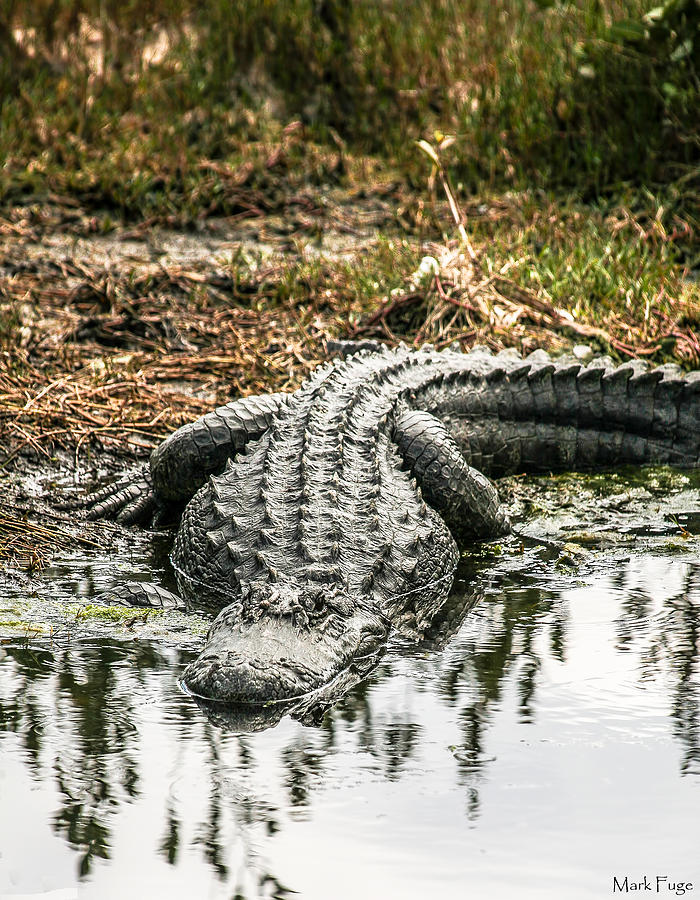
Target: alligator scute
<point>315,522</point>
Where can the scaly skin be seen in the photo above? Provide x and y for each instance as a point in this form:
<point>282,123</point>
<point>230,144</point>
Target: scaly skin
<point>318,521</point>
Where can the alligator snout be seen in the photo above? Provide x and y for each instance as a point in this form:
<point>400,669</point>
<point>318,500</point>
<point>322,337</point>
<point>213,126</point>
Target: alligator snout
<point>226,678</point>
<point>274,659</point>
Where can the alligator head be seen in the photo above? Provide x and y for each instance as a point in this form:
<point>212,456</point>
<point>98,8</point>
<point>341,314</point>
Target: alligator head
<point>279,643</point>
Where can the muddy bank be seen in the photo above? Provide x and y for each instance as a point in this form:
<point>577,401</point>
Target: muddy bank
<point>332,227</point>
<point>113,340</point>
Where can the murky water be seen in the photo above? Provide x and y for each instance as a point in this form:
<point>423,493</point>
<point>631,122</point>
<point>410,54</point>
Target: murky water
<point>540,744</point>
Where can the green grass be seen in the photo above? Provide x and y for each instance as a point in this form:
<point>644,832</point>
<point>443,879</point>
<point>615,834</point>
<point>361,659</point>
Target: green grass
<point>617,277</point>
<point>114,614</point>
<point>595,262</point>
<point>579,133</point>
<point>533,91</point>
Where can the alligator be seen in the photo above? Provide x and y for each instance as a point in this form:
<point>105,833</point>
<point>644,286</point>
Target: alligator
<point>316,522</point>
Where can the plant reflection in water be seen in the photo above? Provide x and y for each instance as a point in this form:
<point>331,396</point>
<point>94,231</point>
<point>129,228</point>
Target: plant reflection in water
<point>94,720</point>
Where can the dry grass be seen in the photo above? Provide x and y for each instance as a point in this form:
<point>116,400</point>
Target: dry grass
<point>117,357</point>
<point>28,544</point>
<point>123,377</point>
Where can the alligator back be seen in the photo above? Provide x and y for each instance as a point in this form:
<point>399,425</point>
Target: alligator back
<point>324,495</point>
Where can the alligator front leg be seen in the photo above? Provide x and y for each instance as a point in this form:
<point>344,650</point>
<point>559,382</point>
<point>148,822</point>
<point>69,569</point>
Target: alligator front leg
<point>184,461</point>
<point>465,498</point>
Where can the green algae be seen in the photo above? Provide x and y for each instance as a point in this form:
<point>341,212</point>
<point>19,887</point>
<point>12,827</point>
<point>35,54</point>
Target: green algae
<point>114,613</point>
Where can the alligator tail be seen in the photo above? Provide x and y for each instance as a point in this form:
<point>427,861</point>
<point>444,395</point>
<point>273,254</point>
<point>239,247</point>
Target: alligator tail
<point>539,415</point>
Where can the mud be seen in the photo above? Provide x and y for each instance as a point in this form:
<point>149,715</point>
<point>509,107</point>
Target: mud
<point>332,228</point>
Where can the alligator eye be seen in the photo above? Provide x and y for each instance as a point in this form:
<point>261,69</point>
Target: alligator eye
<point>314,600</point>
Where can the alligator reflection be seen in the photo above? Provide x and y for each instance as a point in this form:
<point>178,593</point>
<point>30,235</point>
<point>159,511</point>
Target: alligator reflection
<point>311,708</point>
<point>79,712</point>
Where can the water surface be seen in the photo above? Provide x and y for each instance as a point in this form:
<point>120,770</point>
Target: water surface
<point>539,746</point>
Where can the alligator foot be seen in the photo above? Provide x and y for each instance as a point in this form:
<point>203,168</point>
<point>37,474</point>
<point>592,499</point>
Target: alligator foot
<point>130,500</point>
<point>464,497</point>
<point>141,594</point>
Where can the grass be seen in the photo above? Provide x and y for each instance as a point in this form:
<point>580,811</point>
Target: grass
<point>128,106</point>
<point>118,615</point>
<point>121,356</point>
<point>604,268</point>
<point>573,157</point>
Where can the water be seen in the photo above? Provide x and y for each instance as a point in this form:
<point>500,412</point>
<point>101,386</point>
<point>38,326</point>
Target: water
<point>540,746</point>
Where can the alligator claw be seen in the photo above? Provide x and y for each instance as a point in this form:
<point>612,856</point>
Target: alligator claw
<point>130,500</point>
